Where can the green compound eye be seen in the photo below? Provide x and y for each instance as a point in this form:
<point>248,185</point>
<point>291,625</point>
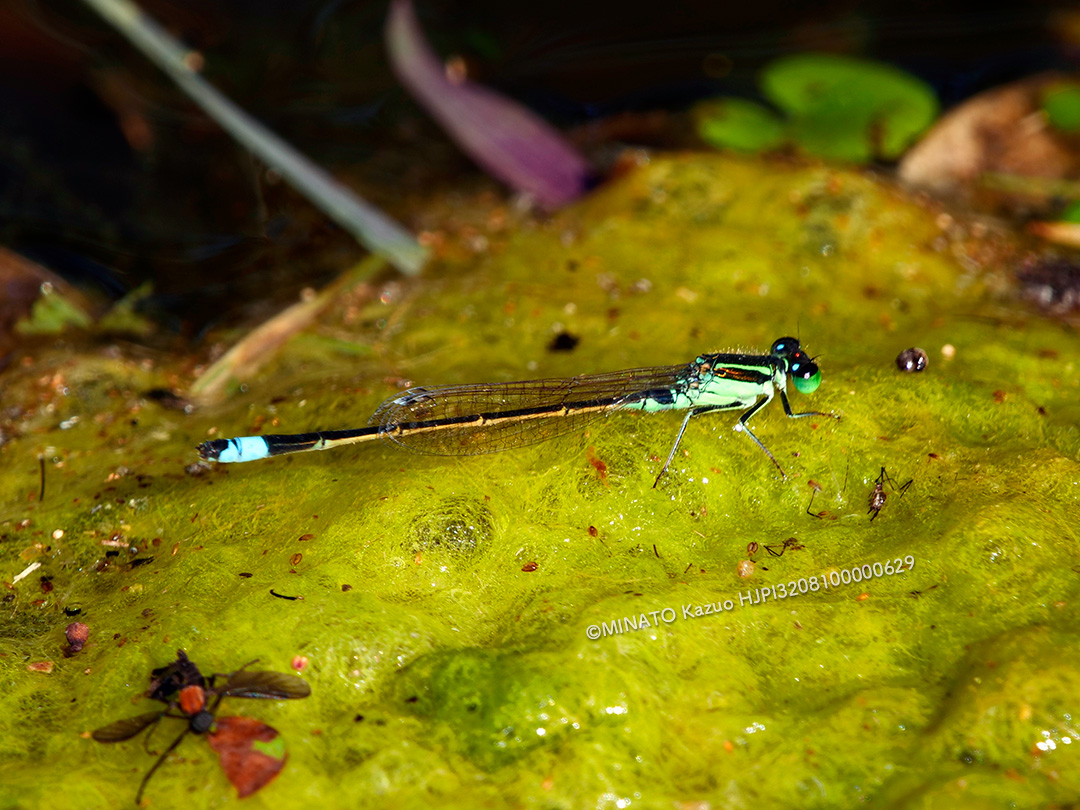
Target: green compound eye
<point>804,373</point>
<point>808,385</point>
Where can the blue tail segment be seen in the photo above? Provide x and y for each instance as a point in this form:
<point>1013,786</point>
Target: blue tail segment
<point>226,451</point>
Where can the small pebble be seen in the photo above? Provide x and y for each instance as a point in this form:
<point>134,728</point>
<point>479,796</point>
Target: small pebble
<point>76,633</point>
<point>913,359</point>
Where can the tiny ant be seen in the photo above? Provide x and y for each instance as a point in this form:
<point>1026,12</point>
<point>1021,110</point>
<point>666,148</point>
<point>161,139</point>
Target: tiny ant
<point>878,494</point>
<point>791,543</point>
<point>753,548</point>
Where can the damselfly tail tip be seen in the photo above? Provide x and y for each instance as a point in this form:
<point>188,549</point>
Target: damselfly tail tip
<point>211,450</point>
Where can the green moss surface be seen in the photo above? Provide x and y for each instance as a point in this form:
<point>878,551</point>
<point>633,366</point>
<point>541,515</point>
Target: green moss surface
<point>447,602</point>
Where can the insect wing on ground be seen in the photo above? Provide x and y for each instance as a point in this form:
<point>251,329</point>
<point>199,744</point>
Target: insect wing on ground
<point>252,753</point>
<point>267,685</point>
<point>127,728</point>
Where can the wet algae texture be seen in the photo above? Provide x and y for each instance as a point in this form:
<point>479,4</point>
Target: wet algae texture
<point>542,628</point>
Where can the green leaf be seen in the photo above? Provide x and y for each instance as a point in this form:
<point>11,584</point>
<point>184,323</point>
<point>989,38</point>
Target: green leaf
<point>52,313</point>
<point>739,124</point>
<point>844,108</point>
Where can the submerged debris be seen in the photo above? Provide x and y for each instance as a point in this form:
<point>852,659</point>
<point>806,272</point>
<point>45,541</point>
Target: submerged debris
<point>1053,283</point>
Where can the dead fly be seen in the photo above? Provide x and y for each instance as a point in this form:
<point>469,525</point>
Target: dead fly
<point>878,494</point>
<point>250,751</point>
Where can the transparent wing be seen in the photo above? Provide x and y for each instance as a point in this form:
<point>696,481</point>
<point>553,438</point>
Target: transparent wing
<point>127,728</point>
<point>466,420</point>
<point>274,685</point>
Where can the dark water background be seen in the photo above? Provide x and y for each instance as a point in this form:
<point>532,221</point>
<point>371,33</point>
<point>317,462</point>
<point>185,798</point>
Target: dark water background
<point>110,177</point>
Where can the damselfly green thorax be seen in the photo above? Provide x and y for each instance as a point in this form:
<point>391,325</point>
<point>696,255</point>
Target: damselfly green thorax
<point>463,420</point>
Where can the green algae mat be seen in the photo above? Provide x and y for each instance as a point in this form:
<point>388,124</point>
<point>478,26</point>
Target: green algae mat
<point>542,628</point>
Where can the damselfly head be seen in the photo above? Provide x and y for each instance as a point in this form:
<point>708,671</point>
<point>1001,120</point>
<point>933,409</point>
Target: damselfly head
<point>785,347</point>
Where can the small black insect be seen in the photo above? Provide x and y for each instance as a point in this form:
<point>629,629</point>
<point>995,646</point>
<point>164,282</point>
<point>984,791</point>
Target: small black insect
<point>878,494</point>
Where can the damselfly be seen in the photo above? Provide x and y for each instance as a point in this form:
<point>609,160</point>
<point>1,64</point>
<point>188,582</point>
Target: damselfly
<point>465,420</point>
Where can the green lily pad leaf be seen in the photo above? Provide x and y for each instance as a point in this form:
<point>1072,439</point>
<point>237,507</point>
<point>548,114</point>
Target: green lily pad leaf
<point>1062,105</point>
<point>844,108</point>
<point>739,124</point>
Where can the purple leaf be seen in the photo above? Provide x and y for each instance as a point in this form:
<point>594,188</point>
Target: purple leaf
<point>507,140</point>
